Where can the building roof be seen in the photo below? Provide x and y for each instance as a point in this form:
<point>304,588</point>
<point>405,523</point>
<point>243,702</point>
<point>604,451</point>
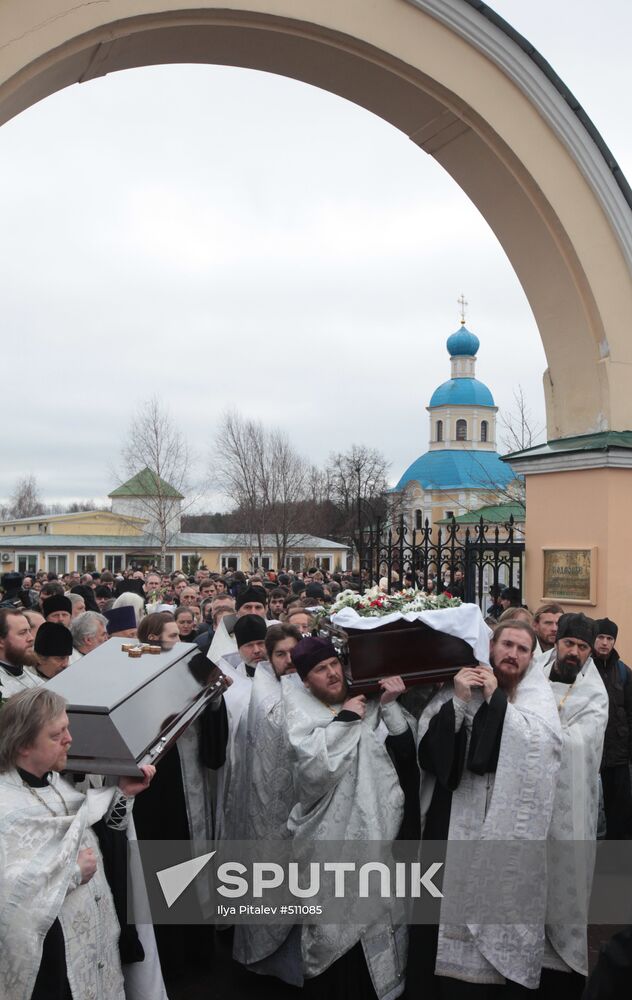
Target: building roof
<point>496,514</point>
<point>462,392</point>
<point>602,441</point>
<point>145,484</point>
<point>458,470</point>
<point>190,542</point>
<point>75,515</point>
<point>463,343</point>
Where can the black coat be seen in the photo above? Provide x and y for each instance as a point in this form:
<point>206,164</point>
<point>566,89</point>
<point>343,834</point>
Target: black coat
<point>617,747</point>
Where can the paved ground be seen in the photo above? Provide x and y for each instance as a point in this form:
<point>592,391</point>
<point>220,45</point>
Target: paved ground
<point>226,980</point>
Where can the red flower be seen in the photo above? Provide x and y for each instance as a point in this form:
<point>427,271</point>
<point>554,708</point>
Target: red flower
<point>446,593</point>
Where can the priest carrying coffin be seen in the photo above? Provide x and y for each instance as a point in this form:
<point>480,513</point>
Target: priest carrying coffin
<point>489,750</point>
<point>347,788</point>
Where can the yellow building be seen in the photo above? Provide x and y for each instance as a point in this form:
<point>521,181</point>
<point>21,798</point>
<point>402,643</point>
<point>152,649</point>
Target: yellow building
<point>122,538</point>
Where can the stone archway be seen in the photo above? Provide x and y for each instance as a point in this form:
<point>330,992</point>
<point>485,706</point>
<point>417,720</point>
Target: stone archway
<point>461,87</point>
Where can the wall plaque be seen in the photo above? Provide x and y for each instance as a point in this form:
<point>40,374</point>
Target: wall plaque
<point>570,575</point>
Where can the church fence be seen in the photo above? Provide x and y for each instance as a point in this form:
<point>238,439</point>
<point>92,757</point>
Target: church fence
<point>488,555</point>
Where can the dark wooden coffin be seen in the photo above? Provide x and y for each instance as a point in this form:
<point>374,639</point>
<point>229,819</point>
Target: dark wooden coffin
<point>412,650</point>
<point>125,711</point>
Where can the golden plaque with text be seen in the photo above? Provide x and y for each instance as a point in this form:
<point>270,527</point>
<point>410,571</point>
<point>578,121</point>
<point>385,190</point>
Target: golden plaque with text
<point>569,575</point>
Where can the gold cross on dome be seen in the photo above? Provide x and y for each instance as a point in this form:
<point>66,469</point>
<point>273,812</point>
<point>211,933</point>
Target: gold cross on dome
<point>462,302</point>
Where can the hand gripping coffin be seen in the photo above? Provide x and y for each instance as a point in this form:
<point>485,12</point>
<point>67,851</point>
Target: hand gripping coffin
<point>423,648</point>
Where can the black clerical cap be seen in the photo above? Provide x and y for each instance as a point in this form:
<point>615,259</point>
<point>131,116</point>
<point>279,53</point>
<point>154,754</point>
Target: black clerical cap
<point>53,639</point>
<point>250,628</point>
<point>251,595</point>
<point>603,626</point>
<point>56,603</point>
<point>576,626</point>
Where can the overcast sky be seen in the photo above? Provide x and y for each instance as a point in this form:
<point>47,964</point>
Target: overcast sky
<point>225,238</point>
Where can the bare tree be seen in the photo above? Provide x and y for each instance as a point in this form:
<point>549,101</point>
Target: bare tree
<point>262,475</point>
<point>519,429</point>
<point>358,487</point>
<point>238,458</point>
<point>25,501</point>
<point>156,454</point>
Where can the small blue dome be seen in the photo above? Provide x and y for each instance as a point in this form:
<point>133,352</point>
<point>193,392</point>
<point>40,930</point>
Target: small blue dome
<point>462,392</point>
<point>463,343</point>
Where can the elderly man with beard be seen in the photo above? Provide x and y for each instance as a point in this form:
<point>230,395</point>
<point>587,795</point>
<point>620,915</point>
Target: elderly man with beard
<point>16,652</point>
<point>489,751</point>
<point>582,704</point>
<point>347,788</point>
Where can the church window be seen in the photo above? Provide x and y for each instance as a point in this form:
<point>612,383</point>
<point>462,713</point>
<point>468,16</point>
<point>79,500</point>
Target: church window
<point>439,430</point>
<point>418,520</point>
<point>461,430</point>
<point>484,430</point>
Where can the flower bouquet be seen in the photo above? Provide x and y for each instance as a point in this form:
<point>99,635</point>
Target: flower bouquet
<point>424,638</point>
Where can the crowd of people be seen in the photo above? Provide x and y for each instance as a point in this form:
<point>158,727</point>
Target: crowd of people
<point>525,744</point>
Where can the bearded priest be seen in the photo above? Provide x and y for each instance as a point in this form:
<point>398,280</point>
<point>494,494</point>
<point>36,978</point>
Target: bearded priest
<point>347,788</point>
<point>489,750</point>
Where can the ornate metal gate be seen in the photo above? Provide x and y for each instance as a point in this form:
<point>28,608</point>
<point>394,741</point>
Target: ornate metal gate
<point>467,562</point>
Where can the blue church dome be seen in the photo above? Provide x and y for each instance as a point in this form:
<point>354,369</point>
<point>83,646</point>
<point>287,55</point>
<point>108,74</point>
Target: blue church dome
<point>462,392</point>
<point>455,470</point>
<point>463,343</point>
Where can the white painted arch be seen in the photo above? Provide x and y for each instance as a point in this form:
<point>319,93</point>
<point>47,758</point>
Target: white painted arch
<point>459,86</point>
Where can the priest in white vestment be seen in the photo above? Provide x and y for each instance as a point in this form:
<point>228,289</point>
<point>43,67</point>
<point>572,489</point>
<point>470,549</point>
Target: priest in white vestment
<point>58,924</point>
<point>347,788</point>
<point>16,653</point>
<point>252,601</point>
<point>582,704</point>
<point>240,667</point>
<point>489,750</point>
<point>262,776</point>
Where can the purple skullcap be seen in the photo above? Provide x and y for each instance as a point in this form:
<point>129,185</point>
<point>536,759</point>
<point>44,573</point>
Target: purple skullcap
<point>309,652</point>
<point>120,619</point>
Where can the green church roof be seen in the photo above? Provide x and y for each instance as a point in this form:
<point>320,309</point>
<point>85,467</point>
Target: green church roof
<point>497,514</point>
<point>146,484</point>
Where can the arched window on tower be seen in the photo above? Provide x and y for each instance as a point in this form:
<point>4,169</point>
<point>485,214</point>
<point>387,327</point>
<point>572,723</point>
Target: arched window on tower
<point>461,430</point>
<point>418,520</point>
<point>483,430</point>
<point>439,430</point>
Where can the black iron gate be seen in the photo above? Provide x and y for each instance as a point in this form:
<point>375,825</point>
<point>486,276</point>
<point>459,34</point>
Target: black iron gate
<point>467,561</point>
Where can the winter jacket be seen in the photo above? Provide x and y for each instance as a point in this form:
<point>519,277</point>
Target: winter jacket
<point>617,748</point>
